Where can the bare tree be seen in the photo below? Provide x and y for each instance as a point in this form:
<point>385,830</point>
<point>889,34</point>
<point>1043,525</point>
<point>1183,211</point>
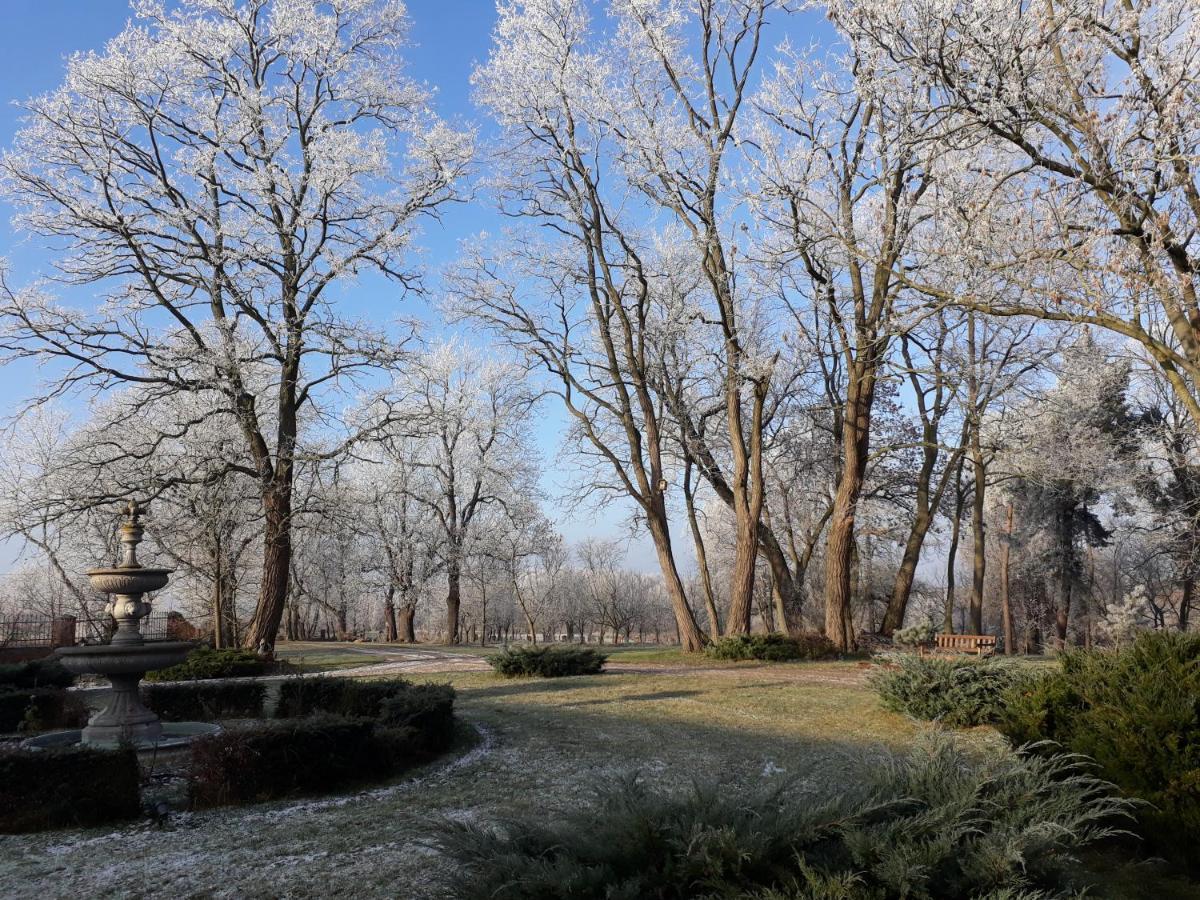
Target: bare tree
<point>214,172</point>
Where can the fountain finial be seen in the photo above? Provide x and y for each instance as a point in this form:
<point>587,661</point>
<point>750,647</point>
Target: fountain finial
<point>131,535</point>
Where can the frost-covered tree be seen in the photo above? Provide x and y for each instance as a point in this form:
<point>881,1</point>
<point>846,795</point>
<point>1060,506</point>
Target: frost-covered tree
<point>1079,122</point>
<point>215,173</point>
<point>467,422</point>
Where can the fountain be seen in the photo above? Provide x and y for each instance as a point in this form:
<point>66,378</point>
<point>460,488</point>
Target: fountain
<point>127,657</point>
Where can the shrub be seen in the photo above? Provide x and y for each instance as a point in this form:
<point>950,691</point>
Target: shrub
<point>40,709</point>
<point>279,759</point>
<point>204,702</point>
<point>338,696</point>
<point>958,692</point>
<point>1136,712</point>
<point>205,662</point>
<point>426,710</point>
<point>914,635</point>
<point>936,823</point>
<point>773,647</point>
<point>547,661</point>
<point>316,754</point>
<point>59,788</point>
<point>36,673</point>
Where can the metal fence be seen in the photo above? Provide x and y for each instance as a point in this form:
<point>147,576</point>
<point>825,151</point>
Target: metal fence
<point>39,631</point>
<point>27,632</point>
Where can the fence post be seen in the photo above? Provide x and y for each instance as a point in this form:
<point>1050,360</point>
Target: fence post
<point>62,631</point>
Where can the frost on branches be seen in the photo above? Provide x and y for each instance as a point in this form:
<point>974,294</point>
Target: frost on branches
<point>214,173</point>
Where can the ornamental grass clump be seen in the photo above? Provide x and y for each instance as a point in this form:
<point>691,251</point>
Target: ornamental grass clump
<point>936,823</point>
<point>957,692</point>
<point>547,661</point>
<point>1136,712</point>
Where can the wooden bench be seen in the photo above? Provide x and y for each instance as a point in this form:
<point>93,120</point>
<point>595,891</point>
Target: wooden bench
<point>979,644</point>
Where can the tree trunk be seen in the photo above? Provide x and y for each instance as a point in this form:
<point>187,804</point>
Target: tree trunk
<point>407,616</point>
<point>453,598</point>
<point>1185,601</point>
<point>1005,589</point>
<point>710,600</point>
<point>839,549</point>
<point>741,583</point>
<point>389,615</point>
<point>691,638</point>
<point>952,557</point>
<point>1062,613</point>
<point>978,535</point>
<point>789,589</point>
<point>277,561</point>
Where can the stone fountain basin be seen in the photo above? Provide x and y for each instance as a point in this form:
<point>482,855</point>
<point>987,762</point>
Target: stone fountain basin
<point>123,659</point>
<point>128,581</point>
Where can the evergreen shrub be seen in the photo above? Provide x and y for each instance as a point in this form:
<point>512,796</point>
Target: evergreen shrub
<point>338,696</point>
<point>548,661</point>
<point>74,786</point>
<point>1136,712</point>
<point>40,709</point>
<point>205,702</point>
<point>937,823</point>
<point>206,663</point>
<point>35,673</point>
<point>773,647</point>
<point>957,692</point>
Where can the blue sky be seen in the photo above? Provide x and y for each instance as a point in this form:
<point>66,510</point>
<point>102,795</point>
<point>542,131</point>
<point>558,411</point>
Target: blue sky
<point>448,38</point>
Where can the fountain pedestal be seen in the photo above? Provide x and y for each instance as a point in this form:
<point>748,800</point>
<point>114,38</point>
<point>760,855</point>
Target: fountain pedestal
<point>128,657</point>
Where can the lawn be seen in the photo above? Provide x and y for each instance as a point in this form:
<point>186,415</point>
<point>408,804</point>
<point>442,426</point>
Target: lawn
<point>527,745</point>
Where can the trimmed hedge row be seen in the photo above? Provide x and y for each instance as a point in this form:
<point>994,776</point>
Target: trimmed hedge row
<point>316,754</point>
<point>40,709</point>
<point>204,702</point>
<point>772,647</point>
<point>547,661</point>
<point>74,786</point>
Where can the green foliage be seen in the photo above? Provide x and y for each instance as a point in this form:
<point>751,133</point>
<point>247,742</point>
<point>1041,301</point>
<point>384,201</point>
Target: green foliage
<point>773,647</point>
<point>205,663</point>
<point>36,673</point>
<point>59,788</point>
<point>317,754</point>
<point>40,709</point>
<point>957,692</point>
<point>937,823</point>
<point>914,635</point>
<point>279,759</point>
<point>205,702</point>
<point>426,710</point>
<point>1136,712</point>
<point>548,661</point>
<point>338,696</point>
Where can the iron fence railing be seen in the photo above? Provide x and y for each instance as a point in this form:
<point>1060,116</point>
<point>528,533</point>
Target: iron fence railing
<point>45,631</point>
<point>26,632</point>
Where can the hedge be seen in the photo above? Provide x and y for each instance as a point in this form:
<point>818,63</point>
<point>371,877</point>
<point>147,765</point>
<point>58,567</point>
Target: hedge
<point>547,661</point>
<point>36,673</point>
<point>773,647</point>
<point>957,692</point>
<point>206,663</point>
<point>339,696</point>
<point>75,786</point>
<point>304,756</point>
<point>40,709</point>
<point>205,702</point>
